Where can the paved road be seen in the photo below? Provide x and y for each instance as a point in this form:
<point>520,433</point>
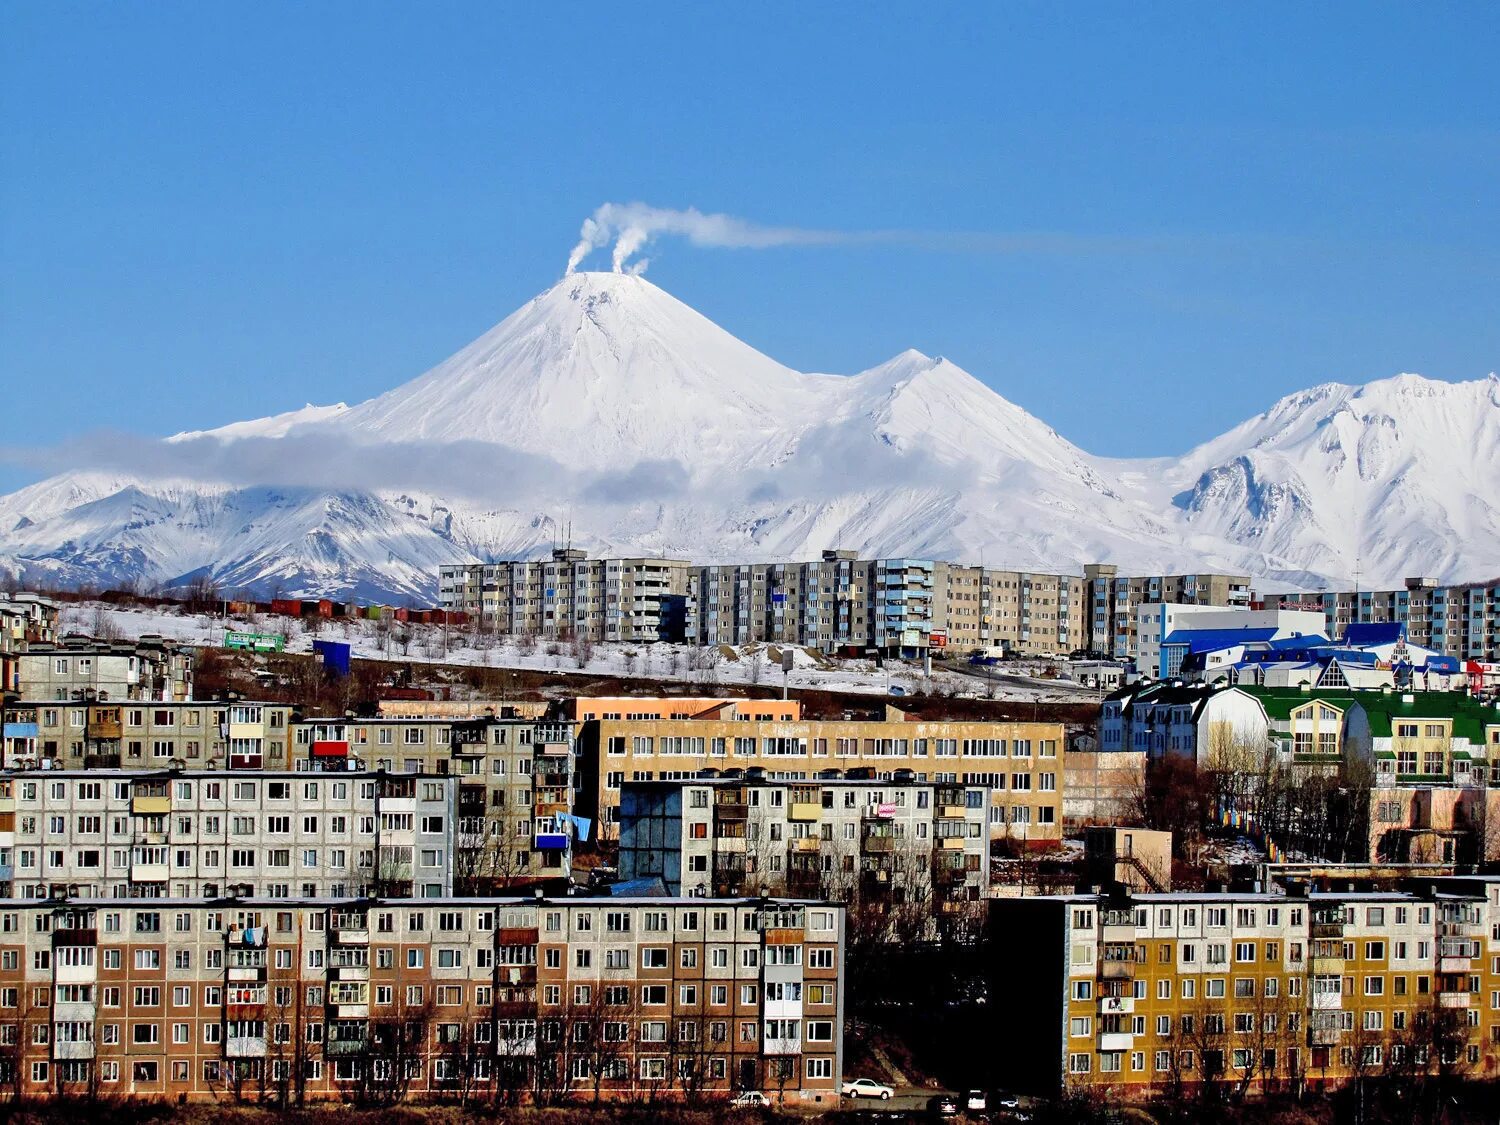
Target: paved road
<point>994,675</point>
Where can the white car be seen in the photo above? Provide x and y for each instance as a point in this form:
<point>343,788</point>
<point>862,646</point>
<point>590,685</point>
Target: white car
<point>750,1099</point>
<point>866,1088</point>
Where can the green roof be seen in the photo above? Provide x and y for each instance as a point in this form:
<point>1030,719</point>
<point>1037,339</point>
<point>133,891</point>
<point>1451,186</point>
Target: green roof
<point>1469,717</point>
<point>1281,702</point>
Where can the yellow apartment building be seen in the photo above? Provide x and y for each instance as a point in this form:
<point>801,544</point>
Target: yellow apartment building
<point>665,740</point>
<point>1140,995</point>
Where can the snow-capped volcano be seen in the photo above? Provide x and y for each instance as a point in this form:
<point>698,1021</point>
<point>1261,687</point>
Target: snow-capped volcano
<point>607,369</point>
<point>609,406</point>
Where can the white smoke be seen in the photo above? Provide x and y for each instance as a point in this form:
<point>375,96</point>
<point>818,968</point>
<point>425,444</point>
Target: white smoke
<point>632,226</point>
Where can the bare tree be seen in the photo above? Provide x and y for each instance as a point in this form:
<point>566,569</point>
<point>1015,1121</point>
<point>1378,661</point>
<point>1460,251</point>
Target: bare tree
<point>395,1054</point>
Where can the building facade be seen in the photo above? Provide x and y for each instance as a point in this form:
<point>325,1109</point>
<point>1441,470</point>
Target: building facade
<point>1020,763</point>
<point>1146,994</point>
<point>515,784</point>
<point>197,834</point>
<point>376,1000</point>
<point>1113,599</point>
<point>571,595</point>
<point>80,668</point>
<point>831,837</point>
<point>1462,621</point>
<point>134,734</point>
<point>838,603</point>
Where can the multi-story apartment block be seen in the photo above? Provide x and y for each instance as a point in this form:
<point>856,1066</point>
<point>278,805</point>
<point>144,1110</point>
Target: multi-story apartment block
<point>378,999</point>
<point>1020,763</point>
<point>831,837</point>
<point>198,834</point>
<point>568,595</point>
<point>824,604</point>
<point>196,734</point>
<point>1113,599</point>
<point>838,603</point>
<point>842,604</point>
<point>1152,993</point>
<point>1462,621</point>
<point>25,619</point>
<point>515,784</point>
<point>77,668</point>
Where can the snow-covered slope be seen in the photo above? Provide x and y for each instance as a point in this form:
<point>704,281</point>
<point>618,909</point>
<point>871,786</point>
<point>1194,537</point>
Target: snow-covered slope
<point>1399,476</point>
<point>609,410</point>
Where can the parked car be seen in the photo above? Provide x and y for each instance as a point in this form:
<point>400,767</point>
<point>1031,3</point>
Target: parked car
<point>944,1105</point>
<point>1007,1101</point>
<point>866,1088</point>
<point>976,1100</point>
<point>751,1099</point>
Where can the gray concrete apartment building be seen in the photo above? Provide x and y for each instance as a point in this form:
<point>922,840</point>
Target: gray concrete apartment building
<point>76,667</point>
<point>200,834</point>
<point>514,776</point>
<point>134,734</point>
<point>831,837</point>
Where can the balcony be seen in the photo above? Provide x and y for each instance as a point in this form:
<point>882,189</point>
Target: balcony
<point>804,810</point>
<point>338,1048</point>
<point>879,845</point>
<point>151,806</point>
<point>1327,1001</point>
<point>952,812</point>
<point>806,844</point>
<point>1116,1041</point>
<point>1116,931</point>
<point>1453,999</point>
<point>244,1047</point>
<point>731,810</point>
<point>1116,1005</point>
<point>71,1051</point>
<point>1327,930</point>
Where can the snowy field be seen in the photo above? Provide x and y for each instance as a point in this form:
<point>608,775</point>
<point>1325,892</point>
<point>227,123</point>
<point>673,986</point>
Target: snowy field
<point>434,644</point>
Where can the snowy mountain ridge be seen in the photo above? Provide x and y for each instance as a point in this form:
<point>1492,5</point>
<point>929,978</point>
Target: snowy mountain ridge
<point>606,406</point>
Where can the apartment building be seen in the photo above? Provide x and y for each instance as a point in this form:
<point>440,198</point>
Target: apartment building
<point>838,603</point>
<point>842,604</point>
<point>379,999</point>
<point>1020,763</point>
<point>199,834</point>
<point>1461,621</point>
<point>25,619</point>
<point>515,781</point>
<point>1141,995</point>
<point>568,595</point>
<point>197,734</point>
<point>832,837</point>
<point>76,668</point>
<point>823,604</point>
<point>1113,600</point>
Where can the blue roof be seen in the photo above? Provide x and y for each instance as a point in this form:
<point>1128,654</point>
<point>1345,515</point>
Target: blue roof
<point>1374,633</point>
<point>1211,640</point>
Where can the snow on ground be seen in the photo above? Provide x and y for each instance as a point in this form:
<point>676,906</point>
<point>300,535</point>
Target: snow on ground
<point>432,644</point>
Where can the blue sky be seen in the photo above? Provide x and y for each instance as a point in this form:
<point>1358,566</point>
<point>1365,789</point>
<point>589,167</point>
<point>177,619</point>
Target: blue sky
<point>210,212</point>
